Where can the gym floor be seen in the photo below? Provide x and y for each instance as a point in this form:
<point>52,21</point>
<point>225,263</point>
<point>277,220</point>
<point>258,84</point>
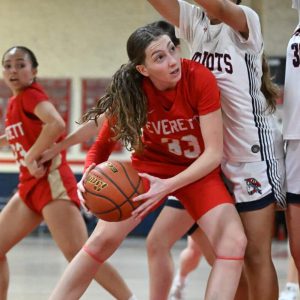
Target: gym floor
<point>36,264</point>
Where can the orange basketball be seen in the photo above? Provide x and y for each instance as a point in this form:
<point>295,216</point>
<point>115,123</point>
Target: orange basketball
<point>110,187</point>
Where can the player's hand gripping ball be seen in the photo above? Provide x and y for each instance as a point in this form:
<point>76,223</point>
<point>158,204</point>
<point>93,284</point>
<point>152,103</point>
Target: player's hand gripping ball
<point>110,187</point>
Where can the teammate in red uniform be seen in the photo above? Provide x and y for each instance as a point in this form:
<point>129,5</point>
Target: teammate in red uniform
<point>45,191</point>
<point>168,111</point>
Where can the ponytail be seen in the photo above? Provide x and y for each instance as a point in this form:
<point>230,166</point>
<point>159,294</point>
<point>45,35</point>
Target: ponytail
<point>269,89</point>
<point>124,105</point>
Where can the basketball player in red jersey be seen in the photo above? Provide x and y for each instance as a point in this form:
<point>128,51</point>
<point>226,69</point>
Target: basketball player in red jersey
<point>45,191</point>
<point>167,111</point>
<point>226,37</point>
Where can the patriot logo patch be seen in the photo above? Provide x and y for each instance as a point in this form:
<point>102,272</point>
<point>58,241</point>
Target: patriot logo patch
<point>253,186</point>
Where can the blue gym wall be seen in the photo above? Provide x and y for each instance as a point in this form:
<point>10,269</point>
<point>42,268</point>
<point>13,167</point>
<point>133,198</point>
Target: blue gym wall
<point>9,182</point>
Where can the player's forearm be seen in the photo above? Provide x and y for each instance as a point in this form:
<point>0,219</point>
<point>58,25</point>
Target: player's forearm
<point>227,12</point>
<point>212,133</point>
<point>48,136</point>
<point>206,163</point>
<point>83,133</point>
<point>169,9</point>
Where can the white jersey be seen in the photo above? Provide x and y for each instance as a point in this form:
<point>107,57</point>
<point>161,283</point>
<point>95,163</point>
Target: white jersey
<point>250,133</point>
<point>291,104</point>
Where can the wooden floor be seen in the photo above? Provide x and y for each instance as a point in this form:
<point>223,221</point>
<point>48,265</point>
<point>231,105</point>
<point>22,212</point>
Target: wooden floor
<point>36,265</point>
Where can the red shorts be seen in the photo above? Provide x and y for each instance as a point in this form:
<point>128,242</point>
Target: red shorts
<point>200,196</point>
<point>59,184</point>
<point>203,195</point>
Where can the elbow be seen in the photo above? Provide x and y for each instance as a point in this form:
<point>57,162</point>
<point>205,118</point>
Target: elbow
<point>219,10</point>
<point>216,158</point>
<point>59,127</point>
<point>219,158</point>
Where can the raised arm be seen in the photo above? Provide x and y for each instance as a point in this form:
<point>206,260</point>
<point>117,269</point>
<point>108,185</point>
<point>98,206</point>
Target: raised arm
<point>227,12</point>
<point>169,9</point>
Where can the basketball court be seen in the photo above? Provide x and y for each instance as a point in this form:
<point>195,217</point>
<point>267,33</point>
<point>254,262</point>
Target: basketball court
<point>75,84</point>
<point>36,265</point>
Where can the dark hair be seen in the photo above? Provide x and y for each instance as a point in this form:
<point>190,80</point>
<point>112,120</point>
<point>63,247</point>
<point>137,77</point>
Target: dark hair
<point>268,87</point>
<point>124,102</point>
<point>238,1</point>
<point>169,29</point>
<point>26,50</point>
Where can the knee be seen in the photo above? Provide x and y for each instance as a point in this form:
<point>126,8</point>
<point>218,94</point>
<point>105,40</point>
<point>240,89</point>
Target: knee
<point>3,257</point>
<point>194,248</point>
<point>70,251</point>
<point>295,253</point>
<point>232,245</point>
<point>258,254</point>
<point>239,244</point>
<point>192,251</point>
<point>104,245</point>
<point>99,247</point>
<point>156,245</point>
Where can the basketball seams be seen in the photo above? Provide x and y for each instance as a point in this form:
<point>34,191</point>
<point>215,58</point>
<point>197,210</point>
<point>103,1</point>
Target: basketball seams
<point>115,183</point>
<point>127,199</point>
<point>106,198</point>
<point>115,207</point>
<point>128,177</point>
<point>106,212</point>
<point>135,188</point>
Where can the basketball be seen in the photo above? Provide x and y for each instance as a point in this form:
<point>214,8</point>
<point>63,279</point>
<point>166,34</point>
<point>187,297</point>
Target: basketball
<point>109,189</point>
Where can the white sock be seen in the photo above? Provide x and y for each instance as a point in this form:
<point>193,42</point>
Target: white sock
<point>292,286</point>
<point>181,280</point>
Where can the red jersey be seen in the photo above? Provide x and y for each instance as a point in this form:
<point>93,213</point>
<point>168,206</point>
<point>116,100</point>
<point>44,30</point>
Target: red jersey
<point>172,136</point>
<point>102,147</point>
<point>22,125</point>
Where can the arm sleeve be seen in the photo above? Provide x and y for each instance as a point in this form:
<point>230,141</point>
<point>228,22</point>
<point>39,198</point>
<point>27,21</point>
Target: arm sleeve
<point>101,148</point>
<point>255,40</point>
<point>190,20</point>
<point>31,98</point>
<point>204,89</point>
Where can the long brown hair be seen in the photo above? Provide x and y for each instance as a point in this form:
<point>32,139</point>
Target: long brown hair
<point>124,102</point>
<point>268,87</point>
